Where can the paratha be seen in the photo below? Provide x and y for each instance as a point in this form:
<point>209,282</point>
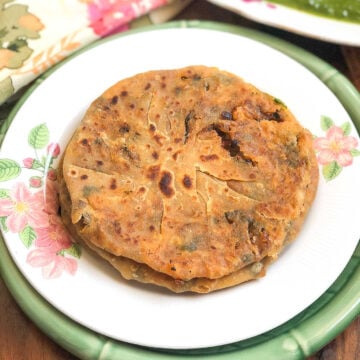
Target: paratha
<point>191,174</point>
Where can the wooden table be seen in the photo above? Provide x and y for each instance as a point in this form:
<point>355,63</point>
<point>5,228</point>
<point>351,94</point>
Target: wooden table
<point>21,339</point>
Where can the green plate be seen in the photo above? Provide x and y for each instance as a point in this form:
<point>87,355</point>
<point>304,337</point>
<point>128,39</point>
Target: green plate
<point>296,339</point>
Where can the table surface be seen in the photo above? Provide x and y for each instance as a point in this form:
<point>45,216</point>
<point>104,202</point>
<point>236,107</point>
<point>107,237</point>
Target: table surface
<point>21,339</point>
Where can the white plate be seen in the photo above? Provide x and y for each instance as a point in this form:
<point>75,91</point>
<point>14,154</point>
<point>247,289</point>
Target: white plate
<point>94,295</point>
<point>289,19</point>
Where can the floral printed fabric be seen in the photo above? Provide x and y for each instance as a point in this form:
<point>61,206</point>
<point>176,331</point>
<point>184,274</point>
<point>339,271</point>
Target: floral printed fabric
<point>35,35</point>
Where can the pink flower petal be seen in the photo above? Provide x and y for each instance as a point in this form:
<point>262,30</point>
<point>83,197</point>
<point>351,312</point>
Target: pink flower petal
<point>52,270</point>
<point>20,193</point>
<point>38,219</point>
<point>58,265</point>
<point>36,201</point>
<point>348,143</point>
<point>39,257</point>
<point>335,133</point>
<point>16,222</point>
<point>54,235</point>
<point>344,158</point>
<point>43,237</point>
<point>6,207</point>
<point>51,263</point>
<point>325,157</point>
<point>321,143</point>
<point>70,265</point>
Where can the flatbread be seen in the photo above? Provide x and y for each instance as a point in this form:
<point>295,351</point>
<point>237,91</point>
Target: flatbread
<point>189,173</point>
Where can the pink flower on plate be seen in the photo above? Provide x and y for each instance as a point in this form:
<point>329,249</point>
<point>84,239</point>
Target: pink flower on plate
<point>335,146</point>
<point>28,162</point>
<point>23,208</point>
<point>53,150</point>
<point>53,235</point>
<point>35,181</point>
<point>52,263</point>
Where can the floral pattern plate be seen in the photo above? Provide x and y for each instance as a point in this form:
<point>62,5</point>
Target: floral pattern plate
<point>88,300</point>
<point>303,23</point>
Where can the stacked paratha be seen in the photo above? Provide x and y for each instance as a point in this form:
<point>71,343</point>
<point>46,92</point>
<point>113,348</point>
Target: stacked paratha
<point>191,179</point>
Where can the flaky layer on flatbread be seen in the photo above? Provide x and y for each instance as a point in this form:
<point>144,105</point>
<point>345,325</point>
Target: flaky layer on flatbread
<point>191,175</point>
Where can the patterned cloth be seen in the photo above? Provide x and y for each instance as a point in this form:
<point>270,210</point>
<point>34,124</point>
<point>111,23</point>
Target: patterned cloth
<point>36,34</point>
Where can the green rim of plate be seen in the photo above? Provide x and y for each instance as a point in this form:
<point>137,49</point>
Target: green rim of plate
<point>298,338</point>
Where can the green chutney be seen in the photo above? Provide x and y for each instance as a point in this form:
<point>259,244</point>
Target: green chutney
<point>347,10</point>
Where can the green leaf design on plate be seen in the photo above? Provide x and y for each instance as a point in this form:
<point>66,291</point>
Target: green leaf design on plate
<point>331,171</point>
<point>355,152</point>
<point>326,123</point>
<point>346,127</point>
<point>39,136</point>
<point>74,250</point>
<point>3,223</point>
<point>37,164</point>
<point>9,169</point>
<point>27,236</point>
<point>4,193</point>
